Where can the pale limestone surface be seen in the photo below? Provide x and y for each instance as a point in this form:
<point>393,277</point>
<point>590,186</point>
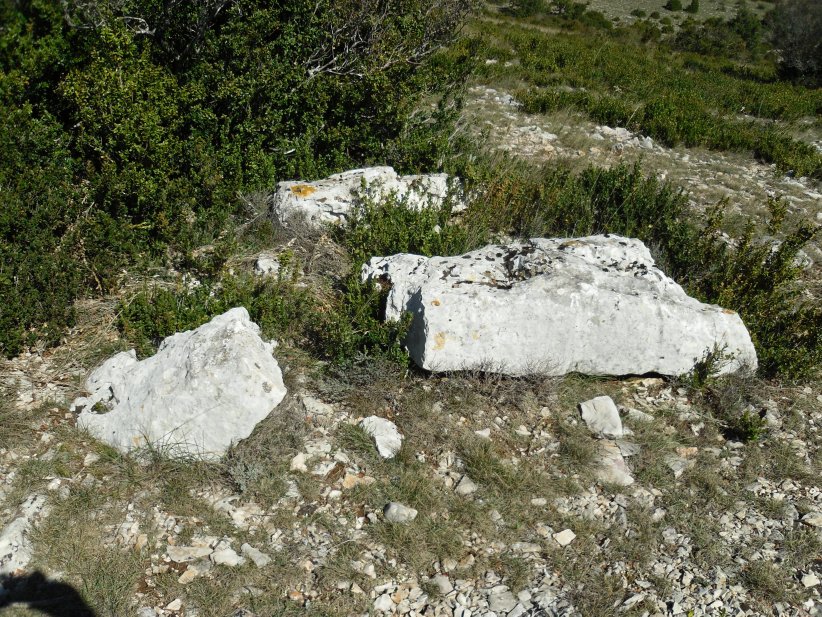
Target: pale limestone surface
<point>387,436</point>
<point>331,200</point>
<point>595,305</point>
<point>202,391</point>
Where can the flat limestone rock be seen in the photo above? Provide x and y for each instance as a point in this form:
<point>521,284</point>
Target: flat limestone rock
<point>602,417</point>
<point>202,391</point>
<point>16,549</point>
<point>332,199</point>
<point>387,436</point>
<point>595,305</point>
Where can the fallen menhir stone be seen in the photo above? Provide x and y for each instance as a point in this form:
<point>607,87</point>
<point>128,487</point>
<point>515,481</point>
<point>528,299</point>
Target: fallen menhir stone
<point>332,199</point>
<point>594,305</point>
<point>202,391</point>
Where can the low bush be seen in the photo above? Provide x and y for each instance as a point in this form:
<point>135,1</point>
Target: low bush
<point>343,325</point>
<point>673,5</point>
<point>128,128</point>
<point>795,28</point>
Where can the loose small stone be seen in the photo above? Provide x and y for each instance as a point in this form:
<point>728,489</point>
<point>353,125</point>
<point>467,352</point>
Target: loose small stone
<point>395,512</point>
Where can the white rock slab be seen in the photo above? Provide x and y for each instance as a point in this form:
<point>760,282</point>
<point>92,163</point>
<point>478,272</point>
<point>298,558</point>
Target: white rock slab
<point>202,391</point>
<point>15,545</point>
<point>602,417</point>
<point>564,537</point>
<point>395,512</point>
<point>331,201</point>
<point>386,435</point>
<point>612,467</point>
<point>594,305</point>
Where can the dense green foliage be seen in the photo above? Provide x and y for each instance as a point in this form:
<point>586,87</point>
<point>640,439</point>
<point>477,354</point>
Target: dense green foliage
<point>341,327</point>
<point>127,127</point>
<point>796,31</point>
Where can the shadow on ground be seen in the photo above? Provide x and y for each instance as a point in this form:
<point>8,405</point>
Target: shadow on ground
<point>49,597</point>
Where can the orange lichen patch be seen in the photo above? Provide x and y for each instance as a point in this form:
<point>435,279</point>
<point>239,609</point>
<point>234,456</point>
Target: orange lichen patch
<point>436,302</point>
<point>475,335</point>
<point>303,190</point>
<point>439,340</point>
<point>729,312</point>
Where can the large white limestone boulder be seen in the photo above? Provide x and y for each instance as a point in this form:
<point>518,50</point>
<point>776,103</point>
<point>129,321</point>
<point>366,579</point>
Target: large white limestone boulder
<point>332,199</point>
<point>202,391</point>
<point>594,305</point>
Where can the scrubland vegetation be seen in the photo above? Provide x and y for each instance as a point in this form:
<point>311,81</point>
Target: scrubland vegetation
<point>140,140</point>
<point>131,133</point>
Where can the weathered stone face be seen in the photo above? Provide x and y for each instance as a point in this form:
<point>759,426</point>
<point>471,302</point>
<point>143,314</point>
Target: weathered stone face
<point>202,391</point>
<point>594,305</point>
<point>331,200</point>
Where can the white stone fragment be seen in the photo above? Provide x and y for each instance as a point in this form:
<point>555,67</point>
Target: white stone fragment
<point>204,390</point>
<point>182,554</point>
<point>466,486</point>
<point>564,537</point>
<point>595,305</point>
<point>227,557</point>
<point>266,265</point>
<point>810,580</point>
<point>602,417</point>
<point>333,199</point>
<point>813,519</point>
<point>16,550</point>
<point>612,467</point>
<point>443,583</point>
<point>298,463</point>
<point>385,433</point>
<point>395,512</point>
<point>384,604</point>
<point>174,605</point>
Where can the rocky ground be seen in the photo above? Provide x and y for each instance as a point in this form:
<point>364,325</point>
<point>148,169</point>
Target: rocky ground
<point>512,500</point>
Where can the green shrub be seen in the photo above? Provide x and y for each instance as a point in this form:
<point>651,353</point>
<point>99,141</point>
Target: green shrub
<point>528,8</point>
<point>639,13</point>
<point>795,27</point>
<point>693,7</point>
<point>673,5</point>
<point>117,146</point>
<point>654,15</point>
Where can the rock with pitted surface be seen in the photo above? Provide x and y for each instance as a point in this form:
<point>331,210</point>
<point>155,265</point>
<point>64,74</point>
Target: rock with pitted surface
<point>202,391</point>
<point>333,199</point>
<point>595,305</point>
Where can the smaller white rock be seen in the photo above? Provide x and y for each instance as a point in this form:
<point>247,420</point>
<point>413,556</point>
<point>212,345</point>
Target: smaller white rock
<point>395,512</point>
<point>443,584</point>
<point>810,580</point>
<point>266,265</point>
<point>182,554</point>
<point>385,434</point>
<point>564,537</point>
<point>466,486</point>
<point>227,557</point>
<point>259,558</point>
<point>298,463</point>
<point>814,519</point>
<point>174,605</point>
<point>602,417</point>
<point>484,433</point>
<point>384,603</point>
<point>90,459</point>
